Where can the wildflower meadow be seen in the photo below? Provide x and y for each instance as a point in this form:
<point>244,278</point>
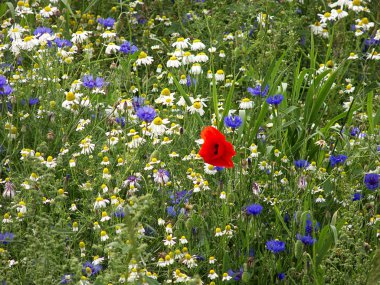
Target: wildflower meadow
<point>189,141</point>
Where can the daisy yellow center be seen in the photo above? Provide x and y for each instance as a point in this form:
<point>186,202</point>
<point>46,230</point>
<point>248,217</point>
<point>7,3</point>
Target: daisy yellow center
<point>105,159</point>
<point>348,87</point>
<point>104,214</point>
<point>317,24</point>
<point>196,41</point>
<point>15,30</point>
<point>28,39</point>
<point>99,199</point>
<point>47,9</point>
<point>165,92</point>
<point>79,32</point>
<point>365,21</point>
<point>49,159</point>
<point>103,233</point>
<point>187,53</point>
<point>142,55</point>
<point>20,3</point>
<point>352,54</point>
<point>157,121</point>
<point>220,72</point>
<point>356,2</point>
<point>173,58</point>
<point>105,171</point>
<point>180,40</point>
<point>327,14</point>
<point>70,96</point>
<point>197,105</point>
<point>245,100</point>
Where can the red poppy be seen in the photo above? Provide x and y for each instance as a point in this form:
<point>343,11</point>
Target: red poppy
<point>215,149</point>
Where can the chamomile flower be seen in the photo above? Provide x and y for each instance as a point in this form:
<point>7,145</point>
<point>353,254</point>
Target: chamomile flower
<point>80,36</point>
<point>100,203</point>
<point>181,43</point>
<point>87,147</point>
<point>144,59</point>
<point>173,62</point>
<point>197,45</point>
<point>169,241</point>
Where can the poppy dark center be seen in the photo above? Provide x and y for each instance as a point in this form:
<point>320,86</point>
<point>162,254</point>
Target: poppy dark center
<point>216,147</point>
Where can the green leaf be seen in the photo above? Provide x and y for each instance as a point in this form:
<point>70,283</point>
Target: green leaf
<point>370,112</point>
<point>187,99</point>
<point>67,5</point>
<point>374,274</point>
<point>11,9</point>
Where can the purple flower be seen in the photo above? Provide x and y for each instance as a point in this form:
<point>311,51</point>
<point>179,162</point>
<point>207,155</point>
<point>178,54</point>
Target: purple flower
<point>121,121</point>
<point>127,48</point>
<point>38,32</point>
<point>275,100</point>
<point>62,43</point>
<point>301,163</point>
<point>233,122</point>
<point>171,211</point>
<point>338,159</point>
<point>137,102</point>
<point>257,91</point>
<point>254,209</point>
<point>275,246</point>
<point>357,196</point>
<point>33,101</point>
<point>146,114</point>
<point>67,278</point>
<point>371,181</point>
<point>281,276</point>
<point>5,89</point>
<point>90,82</point>
<point>107,23</point>
<point>236,275</point>
<point>119,214</point>
<point>6,237</point>
<point>306,239</point>
<point>90,269</point>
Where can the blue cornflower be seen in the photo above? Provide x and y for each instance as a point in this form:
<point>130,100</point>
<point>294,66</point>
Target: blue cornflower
<point>275,100</point>
<point>355,131</point>
<point>6,237</point>
<point>254,209</point>
<point>233,122</point>
<point>90,82</point>
<point>127,48</point>
<point>301,163</point>
<point>308,227</point>
<point>33,101</point>
<point>66,279</point>
<point>62,43</point>
<point>218,168</point>
<point>236,275</point>
<point>146,114</point>
<point>38,32</point>
<point>107,23</point>
<point>121,121</point>
<point>90,269</point>
<point>338,159</point>
<point>119,214</point>
<point>257,91</point>
<point>275,246</point>
<point>371,181</point>
<point>281,276</point>
<point>180,196</point>
<point>357,196</point>
<point>306,239</point>
<point>5,89</point>
<point>171,211</point>
<point>137,102</point>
